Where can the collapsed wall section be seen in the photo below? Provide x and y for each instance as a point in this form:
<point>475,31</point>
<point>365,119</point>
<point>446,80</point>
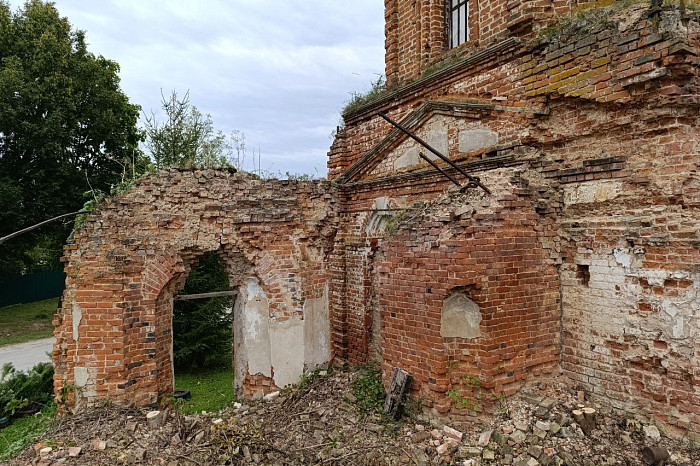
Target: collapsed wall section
<point>125,264</point>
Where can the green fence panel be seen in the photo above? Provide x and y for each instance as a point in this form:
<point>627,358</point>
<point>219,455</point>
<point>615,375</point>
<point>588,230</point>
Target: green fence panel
<point>31,288</point>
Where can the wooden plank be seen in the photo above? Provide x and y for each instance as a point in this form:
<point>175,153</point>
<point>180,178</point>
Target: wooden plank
<point>216,294</point>
<point>398,388</point>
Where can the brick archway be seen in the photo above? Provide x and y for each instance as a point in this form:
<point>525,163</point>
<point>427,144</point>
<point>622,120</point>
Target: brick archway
<point>114,328</point>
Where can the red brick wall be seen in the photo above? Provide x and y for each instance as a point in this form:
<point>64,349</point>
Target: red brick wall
<point>124,265</point>
<point>599,123</point>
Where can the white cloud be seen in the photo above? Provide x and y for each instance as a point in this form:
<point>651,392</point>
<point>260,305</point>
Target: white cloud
<point>278,70</point>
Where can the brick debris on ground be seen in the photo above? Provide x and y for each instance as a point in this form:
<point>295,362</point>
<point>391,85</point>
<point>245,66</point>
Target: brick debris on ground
<point>320,425</point>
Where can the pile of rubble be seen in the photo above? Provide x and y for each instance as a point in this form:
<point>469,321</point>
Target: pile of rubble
<point>319,424</point>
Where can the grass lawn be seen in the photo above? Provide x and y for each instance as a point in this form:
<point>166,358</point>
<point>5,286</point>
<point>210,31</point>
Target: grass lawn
<point>22,432</point>
<point>25,322</point>
<point>211,390</point>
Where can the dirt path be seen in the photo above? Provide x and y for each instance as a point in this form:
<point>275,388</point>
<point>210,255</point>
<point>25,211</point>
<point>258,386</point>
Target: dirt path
<point>24,356</point>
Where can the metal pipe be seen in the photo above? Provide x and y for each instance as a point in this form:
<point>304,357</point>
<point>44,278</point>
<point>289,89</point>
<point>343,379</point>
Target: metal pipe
<point>435,151</point>
<point>451,178</point>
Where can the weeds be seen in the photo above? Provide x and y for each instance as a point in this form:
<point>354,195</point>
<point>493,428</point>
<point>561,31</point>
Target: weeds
<point>369,391</point>
<point>358,99</point>
<point>468,394</point>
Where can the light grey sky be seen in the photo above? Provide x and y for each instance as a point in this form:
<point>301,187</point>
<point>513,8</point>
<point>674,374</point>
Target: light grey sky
<point>277,70</point>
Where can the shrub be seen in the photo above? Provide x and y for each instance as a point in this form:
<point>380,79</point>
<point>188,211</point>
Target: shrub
<point>24,393</point>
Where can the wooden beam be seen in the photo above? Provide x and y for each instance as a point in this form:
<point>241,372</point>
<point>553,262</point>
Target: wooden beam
<point>216,294</point>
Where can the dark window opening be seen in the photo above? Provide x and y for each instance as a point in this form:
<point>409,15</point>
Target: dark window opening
<point>458,19</point>
<point>583,274</point>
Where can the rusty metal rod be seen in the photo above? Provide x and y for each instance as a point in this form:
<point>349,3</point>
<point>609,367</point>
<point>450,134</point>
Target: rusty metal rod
<point>45,222</point>
<point>436,167</point>
<point>216,294</point>
<point>435,151</point>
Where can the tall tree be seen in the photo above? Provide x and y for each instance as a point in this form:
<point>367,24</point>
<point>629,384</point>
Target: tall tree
<point>65,127</point>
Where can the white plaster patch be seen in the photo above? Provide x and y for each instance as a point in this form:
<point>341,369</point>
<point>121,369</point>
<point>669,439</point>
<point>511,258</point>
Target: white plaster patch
<point>588,193</point>
<point>81,375</point>
<point>477,138</point>
<point>460,317</point>
<point>317,335</point>
<point>251,332</point>
<point>435,134</point>
<point>287,351</point>
<point>623,257</point>
<point>77,317</point>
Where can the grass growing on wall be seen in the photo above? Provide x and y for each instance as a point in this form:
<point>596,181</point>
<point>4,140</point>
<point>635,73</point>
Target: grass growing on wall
<point>26,322</point>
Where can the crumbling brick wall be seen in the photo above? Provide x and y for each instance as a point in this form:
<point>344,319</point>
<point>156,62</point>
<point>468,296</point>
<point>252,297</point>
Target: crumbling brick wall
<point>589,136</point>
<point>114,331</point>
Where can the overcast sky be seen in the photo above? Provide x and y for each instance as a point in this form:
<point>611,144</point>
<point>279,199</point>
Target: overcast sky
<point>277,70</point>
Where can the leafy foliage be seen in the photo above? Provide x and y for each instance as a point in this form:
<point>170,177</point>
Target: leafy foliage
<point>65,127</point>
<point>187,138</point>
<point>202,331</point>
<point>25,391</point>
<point>368,390</point>
<point>469,394</point>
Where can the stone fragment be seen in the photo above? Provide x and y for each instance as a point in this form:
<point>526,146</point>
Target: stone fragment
<point>436,434</point>
<point>554,427</point>
<point>473,452</point>
<point>499,439</point>
<point>99,445</point>
<point>548,403</point>
<point>131,426</point>
<point>518,436</point>
<point>534,451</point>
<point>420,428</point>
<point>522,426</point>
<point>217,421</point>
<point>271,396</point>
<point>652,432</point>
<point>74,451</point>
<point>442,449</point>
<point>453,433</point>
<point>420,457</point>
<point>46,451</point>
<point>419,437</point>
<point>489,455</point>
<point>485,437</point>
<point>539,433</point>
<point>542,425</point>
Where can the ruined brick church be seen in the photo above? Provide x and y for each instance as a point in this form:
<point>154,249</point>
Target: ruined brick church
<point>561,233</point>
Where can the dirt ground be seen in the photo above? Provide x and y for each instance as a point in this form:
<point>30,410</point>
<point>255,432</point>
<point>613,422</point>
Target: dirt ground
<point>321,425</point>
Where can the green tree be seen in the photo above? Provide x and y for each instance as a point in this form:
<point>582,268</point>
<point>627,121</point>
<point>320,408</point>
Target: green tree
<point>202,333</point>
<point>187,137</point>
<point>65,127</point>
